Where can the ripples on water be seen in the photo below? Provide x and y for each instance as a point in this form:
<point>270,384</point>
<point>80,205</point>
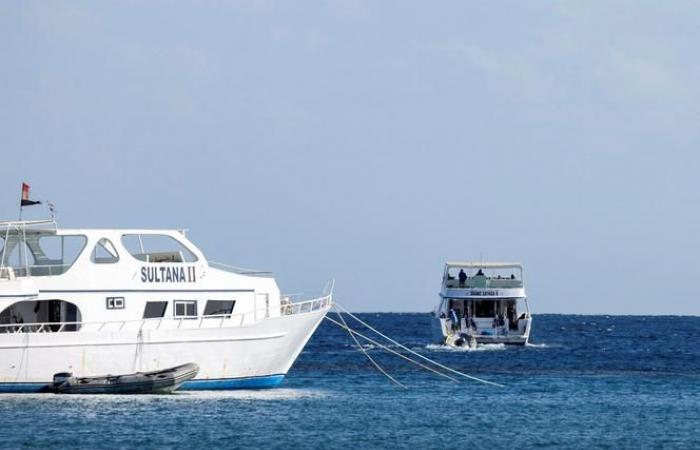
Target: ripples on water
<point>478,348</point>
<point>603,382</point>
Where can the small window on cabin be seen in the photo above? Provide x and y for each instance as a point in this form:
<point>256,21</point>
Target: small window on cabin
<point>115,302</point>
<point>157,248</point>
<point>154,310</point>
<point>185,308</point>
<point>104,252</point>
<point>219,307</point>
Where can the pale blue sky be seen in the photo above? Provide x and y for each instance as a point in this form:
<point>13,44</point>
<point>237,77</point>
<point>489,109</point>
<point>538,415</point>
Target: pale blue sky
<point>371,141</point>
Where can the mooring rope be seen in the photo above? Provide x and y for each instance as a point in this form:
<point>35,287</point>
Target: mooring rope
<point>387,349</point>
<point>442,366</point>
<point>379,368</point>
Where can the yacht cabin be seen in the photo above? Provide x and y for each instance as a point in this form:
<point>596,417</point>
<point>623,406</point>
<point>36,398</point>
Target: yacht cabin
<point>96,301</point>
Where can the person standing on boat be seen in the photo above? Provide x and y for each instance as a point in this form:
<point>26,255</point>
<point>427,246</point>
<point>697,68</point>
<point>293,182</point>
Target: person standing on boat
<point>454,319</point>
<point>467,319</point>
<point>462,277</point>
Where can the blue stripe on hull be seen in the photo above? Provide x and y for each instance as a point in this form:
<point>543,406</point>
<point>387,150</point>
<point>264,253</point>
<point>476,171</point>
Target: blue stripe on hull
<point>263,382</point>
<point>20,388</point>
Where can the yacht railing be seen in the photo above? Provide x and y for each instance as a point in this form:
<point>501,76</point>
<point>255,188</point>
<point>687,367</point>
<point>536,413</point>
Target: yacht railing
<point>166,323</point>
<point>290,308</point>
<point>240,270</point>
<point>36,270</point>
<point>471,327</point>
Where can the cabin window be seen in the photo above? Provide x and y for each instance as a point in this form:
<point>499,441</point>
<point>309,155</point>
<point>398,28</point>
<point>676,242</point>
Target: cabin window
<point>104,252</point>
<point>219,307</point>
<point>154,310</point>
<point>40,253</point>
<point>157,248</point>
<point>185,308</point>
<point>115,302</point>
<point>42,316</point>
<point>484,308</point>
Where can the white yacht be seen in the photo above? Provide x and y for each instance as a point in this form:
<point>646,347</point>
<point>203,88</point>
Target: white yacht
<point>482,303</point>
<point>108,301</point>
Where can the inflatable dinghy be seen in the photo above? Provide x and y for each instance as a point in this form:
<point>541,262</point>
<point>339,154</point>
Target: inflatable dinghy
<point>157,382</point>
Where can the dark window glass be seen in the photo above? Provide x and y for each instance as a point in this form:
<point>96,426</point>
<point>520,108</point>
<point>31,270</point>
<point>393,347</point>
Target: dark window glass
<point>484,308</point>
<point>185,308</point>
<point>154,310</point>
<point>115,302</point>
<point>219,307</point>
<point>22,314</point>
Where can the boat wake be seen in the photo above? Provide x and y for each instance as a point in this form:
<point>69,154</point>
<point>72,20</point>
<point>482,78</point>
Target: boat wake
<point>542,345</point>
<point>276,394</point>
<point>479,348</point>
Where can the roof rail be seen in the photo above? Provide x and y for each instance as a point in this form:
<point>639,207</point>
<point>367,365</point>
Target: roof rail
<point>485,265</point>
<point>20,223</point>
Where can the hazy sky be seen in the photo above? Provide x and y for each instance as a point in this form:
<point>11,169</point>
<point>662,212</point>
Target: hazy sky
<point>371,141</point>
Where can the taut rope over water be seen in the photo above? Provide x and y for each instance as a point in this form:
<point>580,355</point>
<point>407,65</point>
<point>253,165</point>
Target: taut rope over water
<point>449,369</point>
<point>354,333</point>
<point>379,368</point>
<point>387,349</point>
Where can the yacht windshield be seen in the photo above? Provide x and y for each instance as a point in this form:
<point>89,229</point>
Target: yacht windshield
<point>40,253</point>
<point>157,248</point>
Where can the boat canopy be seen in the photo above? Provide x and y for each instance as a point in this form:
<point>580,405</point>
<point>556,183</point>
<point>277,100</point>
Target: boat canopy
<point>483,275</point>
<point>485,265</point>
<point>24,223</point>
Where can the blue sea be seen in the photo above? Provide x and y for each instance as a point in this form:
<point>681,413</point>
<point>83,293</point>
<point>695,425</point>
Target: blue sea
<point>585,382</point>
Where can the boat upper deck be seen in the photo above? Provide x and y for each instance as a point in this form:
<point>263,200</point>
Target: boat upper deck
<point>39,248</point>
<point>481,279</point>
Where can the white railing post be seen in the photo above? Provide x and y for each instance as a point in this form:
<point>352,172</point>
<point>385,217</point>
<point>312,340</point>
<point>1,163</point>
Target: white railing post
<point>255,308</point>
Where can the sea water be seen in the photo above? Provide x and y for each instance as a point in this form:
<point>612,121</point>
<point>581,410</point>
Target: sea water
<point>584,382</point>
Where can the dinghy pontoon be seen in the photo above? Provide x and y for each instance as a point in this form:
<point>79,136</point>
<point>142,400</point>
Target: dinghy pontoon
<point>156,382</point>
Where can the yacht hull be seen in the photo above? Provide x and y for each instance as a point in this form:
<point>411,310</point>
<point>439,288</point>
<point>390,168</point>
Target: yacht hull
<point>229,357</point>
<point>444,336</point>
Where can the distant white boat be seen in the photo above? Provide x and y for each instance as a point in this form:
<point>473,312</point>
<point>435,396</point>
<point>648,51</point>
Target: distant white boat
<point>482,303</point>
<point>109,301</point>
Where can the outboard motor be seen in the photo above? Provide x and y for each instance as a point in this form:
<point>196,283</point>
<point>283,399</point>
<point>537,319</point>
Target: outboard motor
<point>61,377</point>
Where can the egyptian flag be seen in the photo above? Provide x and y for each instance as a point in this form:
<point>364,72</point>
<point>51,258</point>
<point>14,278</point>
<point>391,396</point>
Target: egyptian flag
<point>25,196</point>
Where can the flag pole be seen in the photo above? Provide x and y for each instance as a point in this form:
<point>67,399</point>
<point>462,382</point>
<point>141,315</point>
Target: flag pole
<point>20,205</point>
<point>21,253</point>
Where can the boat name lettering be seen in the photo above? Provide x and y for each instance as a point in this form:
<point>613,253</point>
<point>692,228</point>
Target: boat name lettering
<point>476,293</point>
<point>167,274</point>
